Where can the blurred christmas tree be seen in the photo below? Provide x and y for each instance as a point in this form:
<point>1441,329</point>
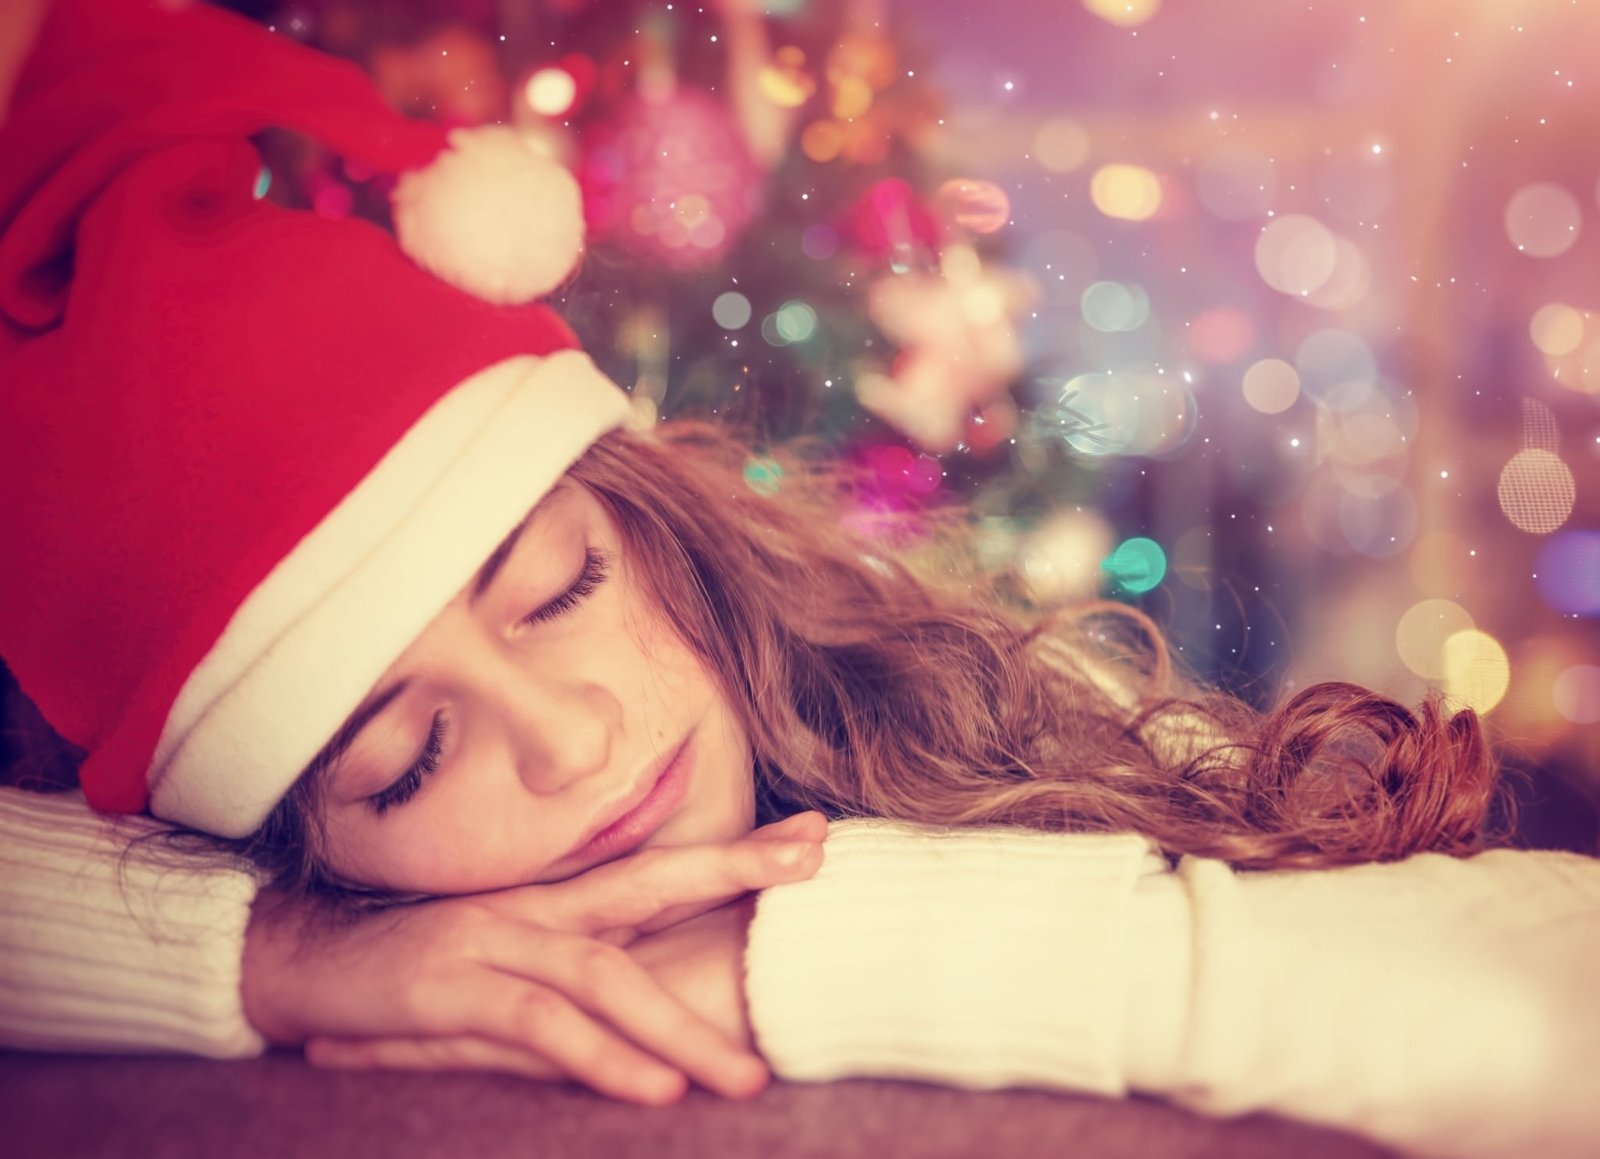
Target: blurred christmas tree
<point>768,243</point>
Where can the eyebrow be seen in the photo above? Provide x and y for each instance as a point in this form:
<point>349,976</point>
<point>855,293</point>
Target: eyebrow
<point>334,751</point>
<point>497,558</point>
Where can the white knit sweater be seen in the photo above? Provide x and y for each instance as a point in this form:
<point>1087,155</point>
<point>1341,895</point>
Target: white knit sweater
<point>1447,1007</point>
<point>108,947</point>
<point>1443,1006</point>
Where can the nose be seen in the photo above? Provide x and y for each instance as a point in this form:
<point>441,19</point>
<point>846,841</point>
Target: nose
<point>559,727</point>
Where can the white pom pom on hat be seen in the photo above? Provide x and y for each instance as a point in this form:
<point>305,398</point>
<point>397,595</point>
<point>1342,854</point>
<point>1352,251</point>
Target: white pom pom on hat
<point>492,216</point>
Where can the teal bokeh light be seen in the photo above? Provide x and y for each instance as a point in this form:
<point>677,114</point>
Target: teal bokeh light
<point>763,476</point>
<point>1137,565</point>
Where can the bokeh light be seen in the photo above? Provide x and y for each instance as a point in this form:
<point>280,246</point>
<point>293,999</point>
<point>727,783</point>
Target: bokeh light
<point>1126,192</point>
<point>785,82</point>
<point>550,91</point>
<point>1577,694</point>
<point>1125,13</point>
<point>730,310</point>
<point>1568,572</point>
<point>1420,635</point>
<point>763,475</point>
<point>1061,145</point>
<point>1164,413</point>
<point>1095,415</point>
<point>979,206</point>
<point>1296,254</point>
<point>1271,386</point>
<point>1556,329</point>
<point>791,322</point>
<point>822,141</point>
<point>1347,286</point>
<point>1112,307</point>
<point>1476,670</point>
<point>1536,491</point>
<point>1542,220</point>
<point>1337,368</point>
<point>1061,559</point>
<point>1137,565</point>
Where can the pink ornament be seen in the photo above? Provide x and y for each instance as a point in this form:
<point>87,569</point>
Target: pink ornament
<point>976,206</point>
<point>891,224</point>
<point>671,180</point>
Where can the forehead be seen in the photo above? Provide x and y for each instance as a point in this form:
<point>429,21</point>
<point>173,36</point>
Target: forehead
<point>558,501</point>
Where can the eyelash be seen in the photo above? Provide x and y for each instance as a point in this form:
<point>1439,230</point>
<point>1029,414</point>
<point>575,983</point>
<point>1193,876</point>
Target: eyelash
<point>596,569</point>
<point>410,781</point>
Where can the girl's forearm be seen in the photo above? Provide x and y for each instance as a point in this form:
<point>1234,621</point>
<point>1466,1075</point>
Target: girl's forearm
<point>107,947</point>
<point>1437,1005</point>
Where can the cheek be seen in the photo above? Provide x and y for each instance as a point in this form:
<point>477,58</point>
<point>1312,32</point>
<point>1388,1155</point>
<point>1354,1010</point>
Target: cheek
<point>448,845</point>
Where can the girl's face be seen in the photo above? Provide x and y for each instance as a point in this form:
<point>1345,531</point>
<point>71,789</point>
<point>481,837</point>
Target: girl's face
<point>546,721</point>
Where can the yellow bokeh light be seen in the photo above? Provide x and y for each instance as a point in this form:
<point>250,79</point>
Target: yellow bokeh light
<point>1296,254</point>
<point>1476,671</point>
<point>1271,386</point>
<point>1124,13</point>
<point>1537,491</point>
<point>1061,145</point>
<point>852,97</point>
<point>785,82</point>
<point>1128,192</point>
<point>1422,632</point>
<point>821,141</point>
<point>1556,329</point>
<point>550,91</point>
<point>1348,284</point>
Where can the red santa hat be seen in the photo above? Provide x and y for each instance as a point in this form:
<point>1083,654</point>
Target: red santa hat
<point>248,453</point>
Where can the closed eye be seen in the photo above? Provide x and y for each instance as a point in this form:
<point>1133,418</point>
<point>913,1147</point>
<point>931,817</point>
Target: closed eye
<point>410,781</point>
<point>595,571</point>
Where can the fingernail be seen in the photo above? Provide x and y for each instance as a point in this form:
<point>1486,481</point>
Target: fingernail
<point>793,853</point>
<point>748,1077</point>
<point>662,1086</point>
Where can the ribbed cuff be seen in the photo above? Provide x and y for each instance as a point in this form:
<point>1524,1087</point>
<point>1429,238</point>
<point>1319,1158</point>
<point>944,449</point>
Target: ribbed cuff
<point>107,948</point>
<point>979,958</point>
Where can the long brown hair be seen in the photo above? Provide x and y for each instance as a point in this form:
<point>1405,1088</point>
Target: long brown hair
<point>871,690</point>
<point>870,686</point>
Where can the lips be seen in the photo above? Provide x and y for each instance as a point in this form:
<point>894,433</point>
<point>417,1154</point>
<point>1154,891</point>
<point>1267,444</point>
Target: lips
<point>632,820</point>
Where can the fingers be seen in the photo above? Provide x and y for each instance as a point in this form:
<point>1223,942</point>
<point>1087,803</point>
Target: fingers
<point>636,890</point>
<point>808,826</point>
<point>524,1016</point>
<point>608,984</point>
<point>470,1052</point>
<point>460,1053</point>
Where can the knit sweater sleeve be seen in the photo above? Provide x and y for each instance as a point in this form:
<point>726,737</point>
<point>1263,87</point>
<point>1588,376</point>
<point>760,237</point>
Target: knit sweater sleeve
<point>107,944</point>
<point>1435,1005</point>
<point>976,957</point>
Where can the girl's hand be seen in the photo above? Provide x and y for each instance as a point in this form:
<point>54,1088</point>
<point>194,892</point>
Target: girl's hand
<point>532,980</point>
<point>701,963</point>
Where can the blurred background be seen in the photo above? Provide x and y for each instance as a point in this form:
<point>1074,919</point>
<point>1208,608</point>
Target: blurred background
<point>1280,321</point>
